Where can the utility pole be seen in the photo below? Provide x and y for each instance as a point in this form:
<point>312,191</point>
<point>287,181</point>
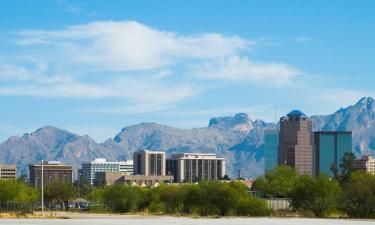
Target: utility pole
<point>42,189</point>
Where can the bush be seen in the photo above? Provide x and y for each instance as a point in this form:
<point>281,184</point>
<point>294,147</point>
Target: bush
<point>206,199</point>
<point>122,198</point>
<point>252,207</point>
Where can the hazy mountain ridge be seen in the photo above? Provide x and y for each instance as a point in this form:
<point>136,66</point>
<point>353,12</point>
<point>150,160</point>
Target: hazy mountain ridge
<point>359,118</point>
<point>237,138</point>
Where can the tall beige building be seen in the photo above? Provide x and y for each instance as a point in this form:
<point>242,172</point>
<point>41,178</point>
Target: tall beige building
<point>296,142</point>
<point>366,163</point>
<point>194,167</point>
<point>149,163</point>
<point>7,171</point>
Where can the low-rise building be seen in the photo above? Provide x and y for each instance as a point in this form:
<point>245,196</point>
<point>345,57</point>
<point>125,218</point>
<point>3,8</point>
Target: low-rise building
<point>88,170</point>
<point>7,172</point>
<point>110,178</point>
<point>52,172</point>
<point>194,167</point>
<point>366,163</point>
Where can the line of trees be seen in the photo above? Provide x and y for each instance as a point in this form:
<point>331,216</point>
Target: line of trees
<point>212,198</point>
<point>16,195</point>
<point>349,192</point>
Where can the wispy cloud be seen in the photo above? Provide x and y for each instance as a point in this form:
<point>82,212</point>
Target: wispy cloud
<point>302,39</point>
<point>68,6</point>
<point>152,69</point>
<point>130,45</point>
<point>244,69</point>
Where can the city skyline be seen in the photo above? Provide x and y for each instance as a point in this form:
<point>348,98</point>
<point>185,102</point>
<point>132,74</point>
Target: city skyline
<point>95,68</point>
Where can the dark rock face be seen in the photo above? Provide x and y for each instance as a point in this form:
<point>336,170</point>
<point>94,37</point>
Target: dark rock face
<point>237,138</point>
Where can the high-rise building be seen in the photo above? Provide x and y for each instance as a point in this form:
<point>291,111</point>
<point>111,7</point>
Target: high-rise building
<point>193,167</point>
<point>53,172</point>
<point>149,163</point>
<point>295,142</point>
<point>271,143</point>
<point>7,172</point>
<point>329,148</point>
<point>87,173</point>
<point>366,163</point>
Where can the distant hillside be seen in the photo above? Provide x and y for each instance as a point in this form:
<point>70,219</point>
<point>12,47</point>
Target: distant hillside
<point>238,138</point>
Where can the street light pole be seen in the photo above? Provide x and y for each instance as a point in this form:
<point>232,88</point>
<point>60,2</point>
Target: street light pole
<point>79,193</point>
<point>42,190</point>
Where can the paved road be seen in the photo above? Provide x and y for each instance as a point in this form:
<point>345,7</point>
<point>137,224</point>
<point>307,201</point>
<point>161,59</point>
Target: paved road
<point>185,221</point>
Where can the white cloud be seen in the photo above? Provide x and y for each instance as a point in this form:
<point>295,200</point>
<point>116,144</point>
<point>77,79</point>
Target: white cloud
<point>151,89</point>
<point>302,39</point>
<point>130,45</point>
<point>148,68</point>
<point>242,68</point>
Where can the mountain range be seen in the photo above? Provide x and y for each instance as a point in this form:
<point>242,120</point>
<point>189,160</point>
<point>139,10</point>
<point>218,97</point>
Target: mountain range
<point>237,138</point>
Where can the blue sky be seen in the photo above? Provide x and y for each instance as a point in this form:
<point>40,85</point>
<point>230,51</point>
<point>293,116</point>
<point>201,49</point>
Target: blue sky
<point>93,67</point>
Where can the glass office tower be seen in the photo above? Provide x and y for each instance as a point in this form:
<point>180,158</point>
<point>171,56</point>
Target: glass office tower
<point>329,148</point>
<point>271,143</point>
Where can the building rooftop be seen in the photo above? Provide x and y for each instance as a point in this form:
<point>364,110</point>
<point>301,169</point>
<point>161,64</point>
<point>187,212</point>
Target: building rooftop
<point>296,113</point>
<point>193,155</point>
<point>150,151</point>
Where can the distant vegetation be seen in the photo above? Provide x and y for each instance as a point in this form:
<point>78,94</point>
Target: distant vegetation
<point>205,199</point>
<point>17,196</point>
<point>348,193</point>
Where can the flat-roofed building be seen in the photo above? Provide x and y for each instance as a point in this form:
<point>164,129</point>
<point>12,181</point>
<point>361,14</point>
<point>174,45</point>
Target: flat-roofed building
<point>127,166</point>
<point>296,142</point>
<point>329,149</point>
<point>88,170</point>
<point>194,167</point>
<point>366,163</point>
<point>110,178</point>
<point>271,142</point>
<point>8,172</point>
<point>149,163</point>
<point>53,172</point>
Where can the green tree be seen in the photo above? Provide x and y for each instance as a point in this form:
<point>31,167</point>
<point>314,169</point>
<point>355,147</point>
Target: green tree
<point>359,195</point>
<point>319,195</point>
<point>83,188</point>
<point>278,182</point>
<point>122,198</point>
<point>8,191</point>
<point>20,195</point>
<point>59,193</point>
<point>346,165</point>
<point>96,195</point>
<point>172,197</point>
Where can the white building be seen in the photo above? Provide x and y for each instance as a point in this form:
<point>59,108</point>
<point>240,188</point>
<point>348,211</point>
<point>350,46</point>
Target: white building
<point>89,169</point>
<point>367,163</point>
<point>194,167</point>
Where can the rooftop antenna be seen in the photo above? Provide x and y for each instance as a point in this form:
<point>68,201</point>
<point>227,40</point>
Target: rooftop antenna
<point>275,115</point>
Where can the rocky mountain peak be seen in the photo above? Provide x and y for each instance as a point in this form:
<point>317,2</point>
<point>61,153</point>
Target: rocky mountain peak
<point>366,103</point>
<point>239,122</point>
